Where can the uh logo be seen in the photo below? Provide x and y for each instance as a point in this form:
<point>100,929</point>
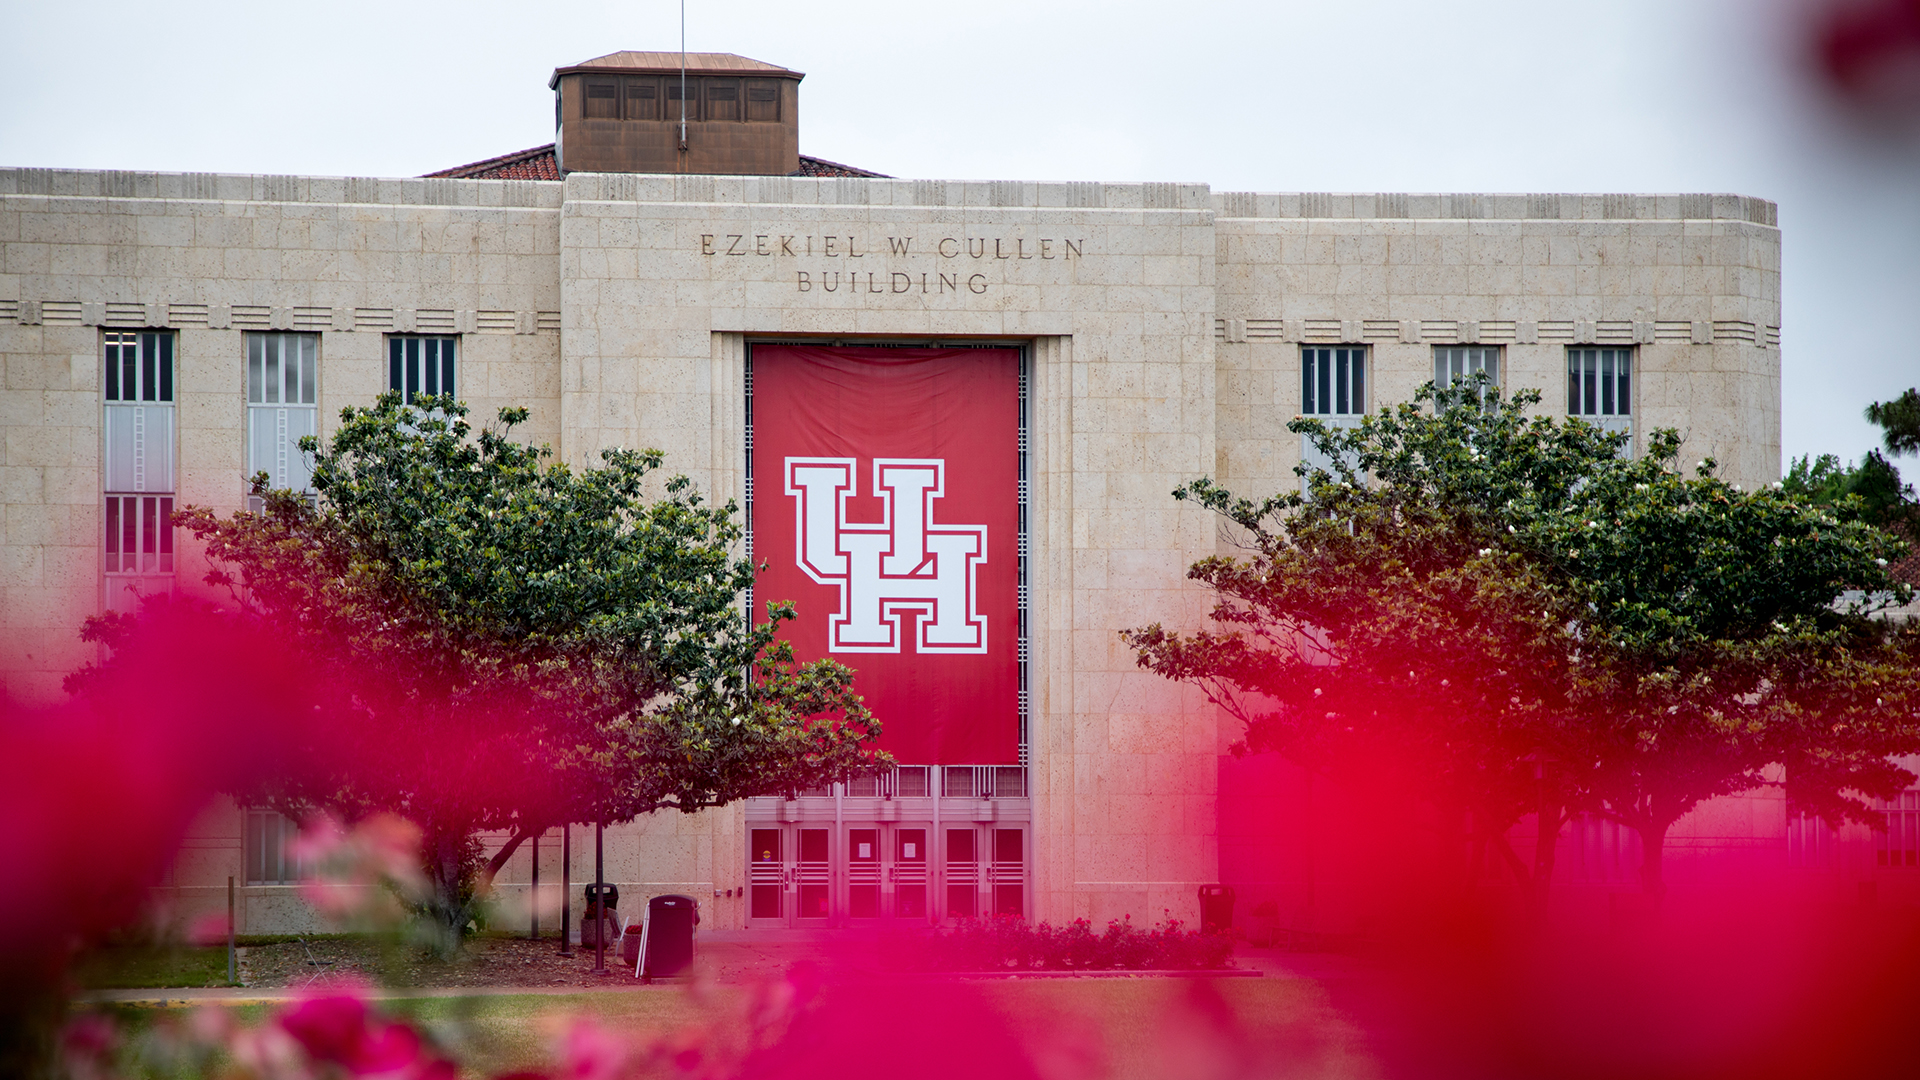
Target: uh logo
<point>905,562</point>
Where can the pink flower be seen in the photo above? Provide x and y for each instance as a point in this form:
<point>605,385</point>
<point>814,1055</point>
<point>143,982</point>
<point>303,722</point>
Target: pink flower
<point>339,1029</point>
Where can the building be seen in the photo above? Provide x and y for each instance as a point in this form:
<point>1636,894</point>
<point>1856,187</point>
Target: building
<point>165,335</point>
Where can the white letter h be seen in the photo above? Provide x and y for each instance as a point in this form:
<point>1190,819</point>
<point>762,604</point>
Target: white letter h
<point>903,563</point>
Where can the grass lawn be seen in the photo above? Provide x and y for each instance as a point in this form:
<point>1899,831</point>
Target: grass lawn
<point>1071,1029</point>
<point>1080,1028</point>
<point>136,967</point>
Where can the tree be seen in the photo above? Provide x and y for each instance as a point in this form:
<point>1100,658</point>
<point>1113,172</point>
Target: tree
<point>1871,491</point>
<point>506,643</point>
<point>1385,634</point>
<point>1511,608</point>
<point>1899,421</point>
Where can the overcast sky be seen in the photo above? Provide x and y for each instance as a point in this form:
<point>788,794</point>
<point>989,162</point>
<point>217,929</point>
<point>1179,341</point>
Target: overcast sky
<point>1366,95</point>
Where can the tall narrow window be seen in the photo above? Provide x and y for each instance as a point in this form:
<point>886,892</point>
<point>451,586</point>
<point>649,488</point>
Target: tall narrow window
<point>283,398</point>
<point>1810,841</point>
<point>139,429</point>
<point>1600,387</point>
<point>271,858</point>
<point>1896,843</point>
<point>1333,388</point>
<point>1453,364</point>
<point>420,365</point>
<point>1333,381</point>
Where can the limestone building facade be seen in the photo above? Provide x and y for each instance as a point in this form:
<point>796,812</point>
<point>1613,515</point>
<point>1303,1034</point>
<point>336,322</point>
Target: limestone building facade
<point>1164,331</point>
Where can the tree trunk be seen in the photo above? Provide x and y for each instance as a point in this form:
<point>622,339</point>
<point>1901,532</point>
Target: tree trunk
<point>484,884</point>
<point>447,910</point>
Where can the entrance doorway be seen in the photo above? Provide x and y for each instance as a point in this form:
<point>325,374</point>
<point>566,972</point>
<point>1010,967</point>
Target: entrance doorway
<point>873,856</point>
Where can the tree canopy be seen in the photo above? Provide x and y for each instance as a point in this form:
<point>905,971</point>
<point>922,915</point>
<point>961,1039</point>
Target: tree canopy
<point>1899,422</point>
<point>508,643</point>
<point>1506,613</point>
<point>1871,490</point>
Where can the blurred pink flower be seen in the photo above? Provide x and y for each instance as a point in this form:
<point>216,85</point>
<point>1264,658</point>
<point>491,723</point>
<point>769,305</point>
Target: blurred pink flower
<point>209,929</point>
<point>359,872</point>
<point>340,1029</point>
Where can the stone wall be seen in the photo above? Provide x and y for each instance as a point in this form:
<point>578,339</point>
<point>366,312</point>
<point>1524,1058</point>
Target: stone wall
<point>664,280</point>
<point>1692,281</point>
<point>1163,323</point>
<point>213,257</point>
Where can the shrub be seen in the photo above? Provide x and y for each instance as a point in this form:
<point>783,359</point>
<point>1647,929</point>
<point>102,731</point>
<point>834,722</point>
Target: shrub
<point>1009,943</point>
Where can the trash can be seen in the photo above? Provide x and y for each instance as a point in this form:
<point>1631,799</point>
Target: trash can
<point>631,940</point>
<point>668,948</point>
<point>597,919</point>
<point>1216,909</point>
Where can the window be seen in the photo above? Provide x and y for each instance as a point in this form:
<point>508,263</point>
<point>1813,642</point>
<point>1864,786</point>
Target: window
<point>1458,363</point>
<point>763,100</point>
<point>1897,841</point>
<point>723,99</point>
<point>1810,841</point>
<point>602,101</point>
<point>139,428</point>
<point>283,398</point>
<point>1600,387</point>
<point>270,847</point>
<point>1596,851</point>
<point>1333,388</point>
<point>139,534</point>
<point>420,365</point>
<point>643,99</point>
<point>683,97</point>
<point>1333,380</point>
<point>913,782</point>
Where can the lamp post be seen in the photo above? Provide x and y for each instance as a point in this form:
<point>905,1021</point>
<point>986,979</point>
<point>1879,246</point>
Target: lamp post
<point>566,889</point>
<point>533,905</point>
<point>599,903</point>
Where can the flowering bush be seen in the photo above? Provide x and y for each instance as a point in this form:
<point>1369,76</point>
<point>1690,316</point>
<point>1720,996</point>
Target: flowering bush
<point>365,877</point>
<point>340,1034</point>
<point>1010,943</point>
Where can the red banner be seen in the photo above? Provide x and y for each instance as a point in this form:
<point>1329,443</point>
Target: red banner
<point>886,507</point>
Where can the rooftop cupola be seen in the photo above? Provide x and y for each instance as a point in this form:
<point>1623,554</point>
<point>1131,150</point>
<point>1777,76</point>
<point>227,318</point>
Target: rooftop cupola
<point>622,112</point>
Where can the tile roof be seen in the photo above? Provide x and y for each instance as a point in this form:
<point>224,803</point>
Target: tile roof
<point>539,163</point>
<point>813,166</point>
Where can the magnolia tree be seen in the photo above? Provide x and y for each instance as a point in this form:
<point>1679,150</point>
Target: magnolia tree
<point>1507,614</point>
<point>499,642</point>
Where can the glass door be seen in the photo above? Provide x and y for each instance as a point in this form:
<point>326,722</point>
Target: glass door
<point>910,874</point>
<point>863,873</point>
<point>767,878</point>
<point>962,873</point>
<point>1009,872</point>
<point>814,875</point>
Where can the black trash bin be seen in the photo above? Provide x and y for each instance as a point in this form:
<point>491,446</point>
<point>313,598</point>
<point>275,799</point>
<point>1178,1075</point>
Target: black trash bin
<point>598,920</point>
<point>667,947</point>
<point>1216,908</point>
